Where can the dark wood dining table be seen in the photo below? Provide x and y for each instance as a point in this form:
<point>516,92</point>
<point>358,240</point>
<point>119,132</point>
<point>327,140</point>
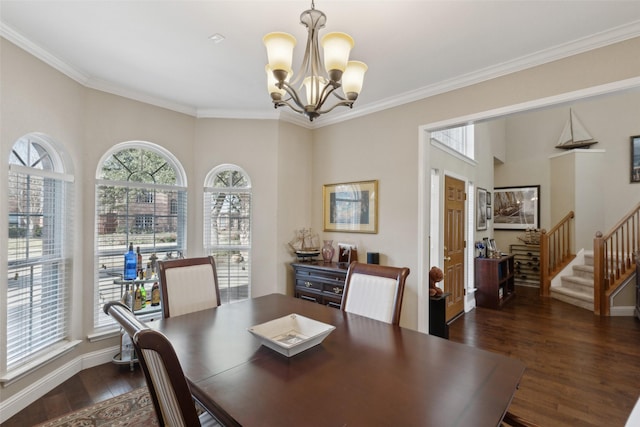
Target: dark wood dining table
<point>364,373</point>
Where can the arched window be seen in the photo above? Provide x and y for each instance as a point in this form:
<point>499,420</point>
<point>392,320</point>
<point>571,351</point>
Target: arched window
<point>141,198</point>
<point>40,204</point>
<point>227,229</point>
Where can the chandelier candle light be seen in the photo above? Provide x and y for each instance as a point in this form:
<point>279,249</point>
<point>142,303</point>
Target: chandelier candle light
<point>340,72</point>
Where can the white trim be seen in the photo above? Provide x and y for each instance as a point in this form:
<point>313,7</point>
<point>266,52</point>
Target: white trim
<point>40,172</point>
<point>52,354</point>
<point>103,334</point>
<point>604,89</point>
<point>458,155</point>
<point>628,311</point>
<point>29,394</point>
<point>585,44</point>
<point>24,43</point>
<point>143,185</point>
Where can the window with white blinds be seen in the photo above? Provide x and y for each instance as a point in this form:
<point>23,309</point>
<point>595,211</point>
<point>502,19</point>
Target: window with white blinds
<point>227,230</point>
<point>40,202</point>
<point>460,139</point>
<point>141,198</point>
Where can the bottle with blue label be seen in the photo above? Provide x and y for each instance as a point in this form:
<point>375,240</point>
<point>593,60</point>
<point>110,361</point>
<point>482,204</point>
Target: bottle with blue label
<point>130,264</point>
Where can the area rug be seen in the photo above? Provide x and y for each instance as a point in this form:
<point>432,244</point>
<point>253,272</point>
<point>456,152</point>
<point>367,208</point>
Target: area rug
<point>132,409</point>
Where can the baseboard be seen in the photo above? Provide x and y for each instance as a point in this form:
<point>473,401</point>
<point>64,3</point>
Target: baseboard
<point>31,393</point>
<point>622,311</point>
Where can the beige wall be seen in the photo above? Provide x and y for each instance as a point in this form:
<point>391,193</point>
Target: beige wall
<point>599,204</point>
<point>288,165</point>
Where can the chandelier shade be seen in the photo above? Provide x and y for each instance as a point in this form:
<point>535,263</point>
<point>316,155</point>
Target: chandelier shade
<point>279,50</point>
<point>319,78</point>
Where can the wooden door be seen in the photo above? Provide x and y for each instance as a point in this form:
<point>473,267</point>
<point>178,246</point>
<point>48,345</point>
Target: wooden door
<point>454,245</point>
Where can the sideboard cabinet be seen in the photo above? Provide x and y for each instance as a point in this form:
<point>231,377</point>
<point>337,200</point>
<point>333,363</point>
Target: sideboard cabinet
<point>322,282</point>
<point>495,281</point>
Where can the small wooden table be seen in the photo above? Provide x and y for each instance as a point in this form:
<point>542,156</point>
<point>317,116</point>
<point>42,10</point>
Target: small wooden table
<point>365,373</point>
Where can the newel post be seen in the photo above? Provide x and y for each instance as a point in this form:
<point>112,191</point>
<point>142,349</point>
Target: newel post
<point>598,273</point>
<point>545,281</point>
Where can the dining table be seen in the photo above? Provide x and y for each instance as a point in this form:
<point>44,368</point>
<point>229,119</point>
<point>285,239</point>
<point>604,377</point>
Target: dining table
<point>364,373</point>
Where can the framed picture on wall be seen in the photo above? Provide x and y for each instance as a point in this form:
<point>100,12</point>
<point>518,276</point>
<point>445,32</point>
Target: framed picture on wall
<point>516,208</point>
<point>635,158</point>
<point>351,207</point>
<point>481,209</point>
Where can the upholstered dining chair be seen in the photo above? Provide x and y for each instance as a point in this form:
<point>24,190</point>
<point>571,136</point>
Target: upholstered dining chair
<point>168,387</point>
<point>188,285</point>
<point>375,291</point>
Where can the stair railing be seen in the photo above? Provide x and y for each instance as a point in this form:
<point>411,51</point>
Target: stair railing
<point>613,259</point>
<point>555,251</point>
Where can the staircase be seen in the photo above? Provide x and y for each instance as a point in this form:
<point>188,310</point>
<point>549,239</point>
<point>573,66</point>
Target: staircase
<point>576,288</point>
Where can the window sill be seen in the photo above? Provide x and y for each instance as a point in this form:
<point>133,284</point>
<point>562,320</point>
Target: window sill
<point>454,153</point>
<point>14,375</point>
<point>104,335</point>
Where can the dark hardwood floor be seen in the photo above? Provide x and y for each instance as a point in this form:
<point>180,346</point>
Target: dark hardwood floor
<point>83,389</point>
<point>582,370</point>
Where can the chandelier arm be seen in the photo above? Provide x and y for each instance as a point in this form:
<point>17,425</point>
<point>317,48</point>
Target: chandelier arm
<point>277,104</point>
<point>326,91</point>
<point>340,97</point>
<point>345,103</point>
<point>292,93</point>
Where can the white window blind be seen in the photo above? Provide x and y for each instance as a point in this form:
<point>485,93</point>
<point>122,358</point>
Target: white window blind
<point>138,200</point>
<point>40,203</point>
<point>227,230</point>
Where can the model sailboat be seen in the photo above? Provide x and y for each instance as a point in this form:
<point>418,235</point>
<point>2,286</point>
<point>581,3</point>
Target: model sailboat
<point>574,134</point>
<point>305,244</point>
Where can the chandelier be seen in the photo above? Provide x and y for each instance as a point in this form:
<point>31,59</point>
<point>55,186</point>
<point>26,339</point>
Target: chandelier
<point>320,81</point>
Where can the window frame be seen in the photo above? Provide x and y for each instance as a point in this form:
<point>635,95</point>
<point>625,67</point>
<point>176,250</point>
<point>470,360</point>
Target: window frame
<point>141,200</point>
<point>229,257</point>
<point>464,147</point>
<point>50,270</point>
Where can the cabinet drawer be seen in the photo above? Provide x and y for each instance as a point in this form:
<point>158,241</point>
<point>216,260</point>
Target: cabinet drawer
<point>332,301</point>
<point>319,277</point>
<point>335,290</point>
<point>309,284</point>
<point>309,296</point>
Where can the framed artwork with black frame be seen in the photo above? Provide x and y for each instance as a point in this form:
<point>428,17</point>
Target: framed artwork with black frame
<point>516,208</point>
<point>481,209</point>
<point>635,158</point>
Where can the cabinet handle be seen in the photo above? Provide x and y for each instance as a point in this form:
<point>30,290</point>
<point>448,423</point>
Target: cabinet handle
<point>333,304</point>
<point>337,290</point>
<point>308,284</point>
<point>304,297</point>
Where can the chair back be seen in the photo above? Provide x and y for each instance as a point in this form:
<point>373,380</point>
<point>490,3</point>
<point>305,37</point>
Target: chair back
<point>188,285</point>
<point>166,382</point>
<point>375,291</point>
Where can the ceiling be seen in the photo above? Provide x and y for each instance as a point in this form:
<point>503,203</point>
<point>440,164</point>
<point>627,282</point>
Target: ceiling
<point>160,52</point>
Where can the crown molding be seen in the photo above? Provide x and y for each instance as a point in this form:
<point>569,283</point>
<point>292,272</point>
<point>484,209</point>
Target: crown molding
<point>24,43</point>
<point>114,89</point>
<point>585,44</point>
<point>565,50</point>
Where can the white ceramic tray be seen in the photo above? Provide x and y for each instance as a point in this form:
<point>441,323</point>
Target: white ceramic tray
<point>292,334</point>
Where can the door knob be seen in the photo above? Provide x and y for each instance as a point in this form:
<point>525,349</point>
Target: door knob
<point>447,258</point>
